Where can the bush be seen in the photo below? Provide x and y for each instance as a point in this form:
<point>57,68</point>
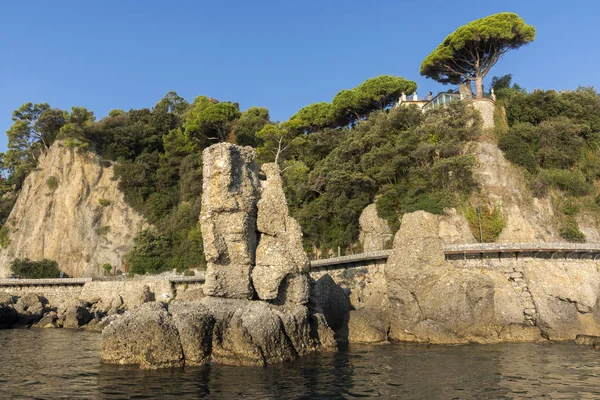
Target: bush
<point>4,238</point>
<point>107,268</point>
<point>570,231</point>
<point>572,182</point>
<point>52,183</point>
<point>492,223</point>
<point>188,272</point>
<point>104,202</point>
<point>27,269</point>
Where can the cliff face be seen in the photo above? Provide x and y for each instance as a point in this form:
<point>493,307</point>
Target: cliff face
<point>527,219</point>
<point>70,210</point>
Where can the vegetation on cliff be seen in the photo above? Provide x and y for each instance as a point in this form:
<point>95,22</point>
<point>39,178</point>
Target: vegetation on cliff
<point>555,137</point>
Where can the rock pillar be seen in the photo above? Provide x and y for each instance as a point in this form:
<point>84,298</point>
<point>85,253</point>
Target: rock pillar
<point>228,219</point>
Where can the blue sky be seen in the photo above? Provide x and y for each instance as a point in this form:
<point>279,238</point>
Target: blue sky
<point>281,54</point>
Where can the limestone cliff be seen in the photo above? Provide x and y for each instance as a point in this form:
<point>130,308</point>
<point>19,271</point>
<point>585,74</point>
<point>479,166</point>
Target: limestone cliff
<point>527,219</point>
<point>71,210</point>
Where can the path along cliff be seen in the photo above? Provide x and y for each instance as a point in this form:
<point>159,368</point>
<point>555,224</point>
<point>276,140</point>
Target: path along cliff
<point>71,210</point>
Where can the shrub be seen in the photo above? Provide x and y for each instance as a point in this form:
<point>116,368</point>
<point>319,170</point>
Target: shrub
<point>4,238</point>
<point>104,202</point>
<point>188,272</point>
<point>107,268</point>
<point>570,231</point>
<point>572,182</point>
<point>52,183</point>
<point>486,223</point>
<point>27,269</point>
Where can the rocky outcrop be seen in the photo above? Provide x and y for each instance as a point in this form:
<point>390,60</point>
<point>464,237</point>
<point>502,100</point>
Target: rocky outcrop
<point>70,210</point>
<point>489,299</point>
<point>281,262</point>
<point>429,299</point>
<point>527,219</point>
<point>230,191</point>
<point>254,250</point>
<point>375,233</point>
<point>146,335</point>
<point>217,330</point>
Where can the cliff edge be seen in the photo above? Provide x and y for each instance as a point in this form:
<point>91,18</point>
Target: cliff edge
<point>70,210</point>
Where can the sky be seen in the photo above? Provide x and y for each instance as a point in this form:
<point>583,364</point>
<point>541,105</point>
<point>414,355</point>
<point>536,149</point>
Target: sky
<point>279,54</point>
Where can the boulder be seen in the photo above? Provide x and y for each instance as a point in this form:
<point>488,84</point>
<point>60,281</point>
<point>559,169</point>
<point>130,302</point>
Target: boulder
<point>8,316</point>
<point>195,325</point>
<point>74,314</point>
<point>248,333</point>
<point>331,300</point>
<point>375,233</point>
<point>228,219</point>
<point>30,308</point>
<point>365,326</point>
<point>6,298</point>
<point>49,320</point>
<point>146,335</point>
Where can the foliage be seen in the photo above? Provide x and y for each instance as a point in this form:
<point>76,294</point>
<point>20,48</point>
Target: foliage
<point>52,183</point>
<point>104,202</point>
<point>407,160</point>
<point>107,268</point>
<point>486,222</point>
<point>570,231</point>
<point>4,237</point>
<point>472,50</point>
<point>27,269</point>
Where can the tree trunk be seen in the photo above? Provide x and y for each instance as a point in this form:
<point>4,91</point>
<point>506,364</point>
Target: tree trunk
<point>479,87</point>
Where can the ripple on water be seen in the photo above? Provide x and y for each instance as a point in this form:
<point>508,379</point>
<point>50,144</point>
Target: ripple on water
<point>66,364</point>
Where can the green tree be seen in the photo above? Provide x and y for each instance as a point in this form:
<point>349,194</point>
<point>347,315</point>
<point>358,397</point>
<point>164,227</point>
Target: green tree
<point>251,121</point>
<point>276,139</point>
<point>210,121</point>
<point>472,50</point>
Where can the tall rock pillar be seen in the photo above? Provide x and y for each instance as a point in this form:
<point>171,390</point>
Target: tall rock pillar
<point>228,219</point>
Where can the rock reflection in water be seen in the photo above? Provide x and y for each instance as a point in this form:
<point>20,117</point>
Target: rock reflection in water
<point>66,364</point>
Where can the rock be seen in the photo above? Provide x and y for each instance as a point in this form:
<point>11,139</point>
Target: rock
<point>195,325</point>
<point>587,340</point>
<point>456,304</point>
<point>331,300</point>
<point>146,335</point>
<point>6,298</point>
<point>323,333</point>
<point>248,333</point>
<point>8,316</point>
<point>566,296</point>
<point>365,326</point>
<point>279,256</point>
<point>48,321</point>
<point>228,219</point>
<point>74,314</point>
<point>375,233</point>
<point>29,308</point>
<point>66,223</point>
<point>190,295</point>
